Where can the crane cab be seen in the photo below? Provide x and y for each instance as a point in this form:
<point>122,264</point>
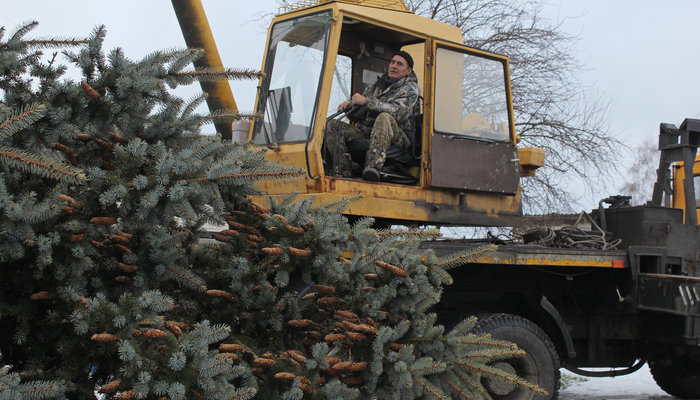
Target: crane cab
<point>462,167</point>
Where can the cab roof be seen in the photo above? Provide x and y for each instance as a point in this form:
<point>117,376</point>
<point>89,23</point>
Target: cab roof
<point>390,13</point>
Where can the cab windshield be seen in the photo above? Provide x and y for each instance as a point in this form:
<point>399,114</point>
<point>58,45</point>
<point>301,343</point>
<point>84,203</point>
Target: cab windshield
<point>289,93</point>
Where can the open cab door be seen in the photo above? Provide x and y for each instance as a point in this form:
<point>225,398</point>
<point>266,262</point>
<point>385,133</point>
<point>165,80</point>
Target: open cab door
<point>472,141</point>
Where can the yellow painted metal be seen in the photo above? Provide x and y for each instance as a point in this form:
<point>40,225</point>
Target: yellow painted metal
<point>551,260</point>
<point>419,203</point>
<point>611,261</point>
<point>304,4</point>
<point>195,28</point>
<point>406,203</point>
<point>530,159</point>
<point>678,174</point>
<point>392,18</point>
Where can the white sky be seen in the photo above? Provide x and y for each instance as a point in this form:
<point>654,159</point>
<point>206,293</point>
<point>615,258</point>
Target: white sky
<point>643,54</point>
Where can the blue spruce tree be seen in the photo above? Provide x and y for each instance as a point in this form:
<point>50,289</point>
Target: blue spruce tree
<point>112,288</point>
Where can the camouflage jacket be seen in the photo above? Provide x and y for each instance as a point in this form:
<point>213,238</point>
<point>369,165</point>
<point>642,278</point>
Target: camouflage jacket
<point>400,99</point>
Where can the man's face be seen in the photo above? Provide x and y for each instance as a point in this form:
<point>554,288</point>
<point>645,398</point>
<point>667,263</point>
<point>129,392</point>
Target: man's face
<point>398,68</point>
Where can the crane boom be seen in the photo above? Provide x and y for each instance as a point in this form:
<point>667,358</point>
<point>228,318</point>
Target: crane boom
<point>195,28</point>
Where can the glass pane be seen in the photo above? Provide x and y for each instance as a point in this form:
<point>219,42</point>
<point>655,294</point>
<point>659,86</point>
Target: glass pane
<point>696,183</point>
<point>342,83</point>
<point>470,96</point>
<point>294,66</point>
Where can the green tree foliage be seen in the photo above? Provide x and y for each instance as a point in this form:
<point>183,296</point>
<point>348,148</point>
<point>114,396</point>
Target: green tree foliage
<point>111,287</point>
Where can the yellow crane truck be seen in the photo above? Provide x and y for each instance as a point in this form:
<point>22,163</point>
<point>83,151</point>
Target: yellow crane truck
<point>597,310</point>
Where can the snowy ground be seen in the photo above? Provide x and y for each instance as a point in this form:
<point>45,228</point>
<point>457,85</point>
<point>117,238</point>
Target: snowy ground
<point>637,386</point>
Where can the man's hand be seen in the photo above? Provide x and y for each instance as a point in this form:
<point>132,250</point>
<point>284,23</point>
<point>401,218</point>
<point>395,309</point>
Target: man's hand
<point>358,99</point>
<point>344,105</point>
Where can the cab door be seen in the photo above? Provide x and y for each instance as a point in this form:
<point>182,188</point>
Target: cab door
<point>470,118</point>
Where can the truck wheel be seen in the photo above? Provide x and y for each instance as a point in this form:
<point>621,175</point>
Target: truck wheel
<point>678,376</point>
<point>540,365</point>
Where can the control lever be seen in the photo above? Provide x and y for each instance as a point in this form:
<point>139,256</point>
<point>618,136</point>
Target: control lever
<point>347,111</point>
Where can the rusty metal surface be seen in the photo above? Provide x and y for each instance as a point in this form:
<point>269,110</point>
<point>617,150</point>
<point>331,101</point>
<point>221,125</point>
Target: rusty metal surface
<point>527,255</point>
<point>483,166</point>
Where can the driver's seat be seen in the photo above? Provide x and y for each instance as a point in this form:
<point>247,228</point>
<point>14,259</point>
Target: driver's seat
<point>400,161</point>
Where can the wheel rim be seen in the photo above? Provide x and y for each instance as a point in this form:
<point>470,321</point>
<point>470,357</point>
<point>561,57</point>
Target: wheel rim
<point>539,365</point>
<point>524,367</point>
<point>497,387</point>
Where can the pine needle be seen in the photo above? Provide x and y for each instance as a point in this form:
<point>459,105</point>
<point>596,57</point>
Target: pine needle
<point>461,258</point>
<point>214,75</point>
<point>17,120</point>
<point>38,165</point>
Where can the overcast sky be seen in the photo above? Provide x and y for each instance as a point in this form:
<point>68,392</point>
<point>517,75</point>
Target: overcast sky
<point>642,54</point>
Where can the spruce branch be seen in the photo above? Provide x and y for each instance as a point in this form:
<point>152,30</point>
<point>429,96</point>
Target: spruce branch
<point>412,234</point>
<point>226,116</point>
<point>433,391</point>
<point>340,203</point>
<point>485,340</point>
<point>38,165</point>
<point>376,258</point>
<point>21,31</point>
<point>455,387</point>
<point>472,381</point>
<point>13,122</point>
<point>495,373</point>
<point>187,278</point>
<point>457,259</point>
<point>216,75</point>
<point>440,275</point>
<point>238,179</point>
<point>53,43</point>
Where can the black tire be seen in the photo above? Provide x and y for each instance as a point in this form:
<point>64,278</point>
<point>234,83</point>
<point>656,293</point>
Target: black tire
<point>540,365</point>
<point>677,375</point>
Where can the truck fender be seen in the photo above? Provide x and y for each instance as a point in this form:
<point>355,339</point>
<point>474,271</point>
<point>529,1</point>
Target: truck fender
<point>547,306</point>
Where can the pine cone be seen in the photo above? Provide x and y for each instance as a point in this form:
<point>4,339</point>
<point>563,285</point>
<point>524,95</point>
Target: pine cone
<point>42,296</point>
<point>263,362</point>
<point>116,138</point>
<point>273,251</point>
<point>299,252</point>
<point>103,221</point>
<point>302,323</point>
<point>334,337</point>
<point>103,337</point>
<point>127,268</point>
<point>231,347</point>
<point>220,293</point>
<point>110,387</point>
<point>172,327</point>
<point>89,90</point>
<point>127,395</point>
<point>154,334</point>
<point>353,381</point>
<point>325,289</point>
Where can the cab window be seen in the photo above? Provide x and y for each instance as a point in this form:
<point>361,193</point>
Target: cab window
<point>342,82</point>
<point>476,108</point>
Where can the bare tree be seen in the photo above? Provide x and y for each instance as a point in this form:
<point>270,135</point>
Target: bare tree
<point>640,177</point>
<point>554,111</point>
